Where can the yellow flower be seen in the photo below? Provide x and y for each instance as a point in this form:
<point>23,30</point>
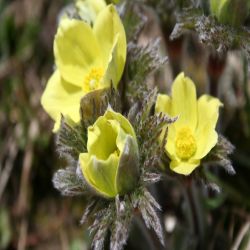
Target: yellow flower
<point>89,9</point>
<point>87,59</point>
<point>110,166</point>
<point>193,135</point>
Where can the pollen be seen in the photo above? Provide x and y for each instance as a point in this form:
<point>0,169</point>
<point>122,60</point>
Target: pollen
<point>185,144</point>
<point>93,80</point>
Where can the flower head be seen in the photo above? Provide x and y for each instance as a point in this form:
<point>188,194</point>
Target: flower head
<point>110,166</point>
<point>193,135</point>
<point>87,58</point>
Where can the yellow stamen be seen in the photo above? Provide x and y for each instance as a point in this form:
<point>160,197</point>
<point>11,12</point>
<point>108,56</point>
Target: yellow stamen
<point>93,80</point>
<point>185,144</point>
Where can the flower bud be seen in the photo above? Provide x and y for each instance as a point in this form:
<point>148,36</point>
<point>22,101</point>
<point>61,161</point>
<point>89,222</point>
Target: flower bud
<point>111,165</point>
<point>231,12</point>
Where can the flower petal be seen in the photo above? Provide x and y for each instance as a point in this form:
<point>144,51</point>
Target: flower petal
<point>97,5</point>
<point>102,138</point>
<point>170,146</point>
<point>125,124</point>
<point>89,9</point>
<point>163,104</point>
<point>111,75</point>
<point>61,97</point>
<point>184,168</point>
<point>206,136</point>
<point>100,174</point>
<point>109,30</point>
<point>184,103</point>
<point>76,50</point>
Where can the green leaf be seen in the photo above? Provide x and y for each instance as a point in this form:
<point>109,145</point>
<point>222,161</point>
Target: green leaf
<point>141,63</point>
<point>211,33</point>
<point>71,140</point>
<point>219,155</point>
<point>120,231</point>
<point>133,19</point>
<point>147,205</point>
<point>69,183</point>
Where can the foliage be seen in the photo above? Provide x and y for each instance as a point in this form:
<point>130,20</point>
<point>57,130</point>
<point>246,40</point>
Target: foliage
<point>210,32</point>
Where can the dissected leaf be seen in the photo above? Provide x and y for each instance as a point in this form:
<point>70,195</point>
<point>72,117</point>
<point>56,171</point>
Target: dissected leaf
<point>141,62</point>
<point>147,205</point>
<point>219,155</point>
<point>88,210</point>
<point>211,33</point>
<point>67,182</point>
<point>133,19</point>
<point>71,140</point>
<point>101,225</point>
<point>122,223</point>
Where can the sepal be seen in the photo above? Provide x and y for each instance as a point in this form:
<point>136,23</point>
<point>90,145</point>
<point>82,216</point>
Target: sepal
<point>128,169</point>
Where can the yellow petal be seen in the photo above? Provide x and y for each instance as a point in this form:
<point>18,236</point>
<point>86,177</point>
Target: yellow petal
<point>206,136</point>
<point>184,168</point>
<point>100,174</point>
<point>97,5</point>
<point>108,134</point>
<point>109,30</point>
<point>121,137</point>
<point>184,103</point>
<point>170,146</point>
<point>163,104</point>
<point>112,150</point>
<point>102,138</point>
<point>124,123</point>
<point>61,97</point>
<point>89,9</point>
<point>76,50</point>
<point>111,75</point>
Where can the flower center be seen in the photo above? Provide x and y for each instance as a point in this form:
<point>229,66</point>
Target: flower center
<point>185,144</point>
<point>93,80</point>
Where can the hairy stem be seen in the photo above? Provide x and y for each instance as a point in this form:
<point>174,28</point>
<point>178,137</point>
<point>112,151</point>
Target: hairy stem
<point>195,213</point>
